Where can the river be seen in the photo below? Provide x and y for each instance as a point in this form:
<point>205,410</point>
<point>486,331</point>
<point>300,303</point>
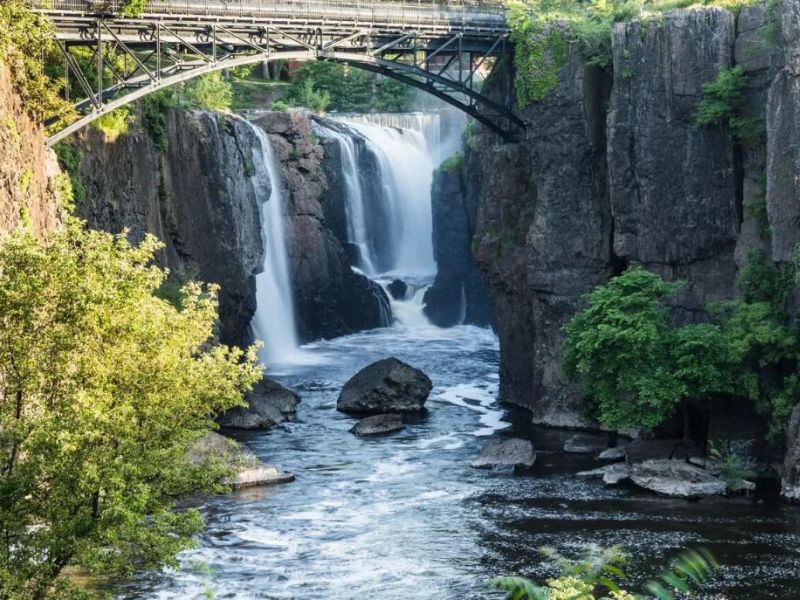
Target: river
<point>405,516</point>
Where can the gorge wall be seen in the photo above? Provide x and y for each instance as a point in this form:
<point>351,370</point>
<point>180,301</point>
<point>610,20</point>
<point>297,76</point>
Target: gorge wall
<point>197,195</point>
<point>613,171</point>
<point>28,173</point>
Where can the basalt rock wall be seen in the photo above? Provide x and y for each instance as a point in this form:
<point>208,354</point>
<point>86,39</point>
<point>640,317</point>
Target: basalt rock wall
<point>613,171</point>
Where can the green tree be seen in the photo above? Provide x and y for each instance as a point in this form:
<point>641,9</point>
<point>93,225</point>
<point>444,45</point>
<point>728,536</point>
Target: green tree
<point>103,388</point>
<point>209,92</point>
<point>619,346</point>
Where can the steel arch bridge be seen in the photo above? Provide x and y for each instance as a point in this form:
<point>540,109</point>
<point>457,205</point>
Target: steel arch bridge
<point>435,45</point>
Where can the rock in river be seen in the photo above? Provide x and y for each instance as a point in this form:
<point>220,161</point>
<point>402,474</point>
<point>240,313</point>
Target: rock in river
<point>386,386</point>
<point>510,452</point>
<point>676,478</point>
<point>611,474</point>
<point>585,443</point>
<point>269,404</point>
<point>378,424</point>
<point>249,470</point>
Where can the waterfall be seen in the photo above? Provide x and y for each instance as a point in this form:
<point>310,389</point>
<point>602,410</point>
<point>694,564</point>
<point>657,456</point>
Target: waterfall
<point>274,321</point>
<point>406,173</point>
<point>405,149</point>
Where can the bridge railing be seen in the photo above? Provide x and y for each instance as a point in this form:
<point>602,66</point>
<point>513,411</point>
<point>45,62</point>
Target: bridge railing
<point>475,13</point>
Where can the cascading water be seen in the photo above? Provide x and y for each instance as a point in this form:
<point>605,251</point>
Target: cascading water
<point>405,148</point>
<point>274,321</point>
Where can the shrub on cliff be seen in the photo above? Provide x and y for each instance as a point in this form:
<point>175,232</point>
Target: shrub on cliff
<point>25,41</point>
<point>103,387</point>
<point>638,368</point>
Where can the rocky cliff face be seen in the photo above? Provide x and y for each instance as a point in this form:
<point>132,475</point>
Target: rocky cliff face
<point>198,197</point>
<point>458,294</point>
<point>613,171</point>
<point>28,172</point>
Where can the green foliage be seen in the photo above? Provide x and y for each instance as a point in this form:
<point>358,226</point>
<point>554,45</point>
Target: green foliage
<point>322,86</point>
<point>104,387</point>
<point>690,571</point>
<point>69,159</point>
<point>619,346</point>
<point>280,106</point>
<point>393,96</point>
<point>763,281</point>
<point>209,92</point>
<point>734,467</point>
<point>722,105</point>
<point>308,96</point>
<point>454,164</point>
<point>133,8</point>
<point>115,123</point>
<point>154,117</point>
<point>637,367</point>
<point>26,39</point>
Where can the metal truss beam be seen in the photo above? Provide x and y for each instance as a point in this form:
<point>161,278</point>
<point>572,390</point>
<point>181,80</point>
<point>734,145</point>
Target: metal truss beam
<point>167,53</point>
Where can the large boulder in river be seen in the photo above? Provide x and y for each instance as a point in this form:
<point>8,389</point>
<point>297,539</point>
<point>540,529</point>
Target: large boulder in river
<point>676,478</point>
<point>505,452</point>
<point>386,386</point>
<point>398,289</point>
<point>269,404</point>
<point>378,424</point>
<point>247,470</point>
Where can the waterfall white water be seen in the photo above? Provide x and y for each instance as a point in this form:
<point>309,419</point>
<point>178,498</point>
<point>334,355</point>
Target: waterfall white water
<point>354,206</point>
<point>405,149</point>
<point>406,172</point>
<point>274,321</point>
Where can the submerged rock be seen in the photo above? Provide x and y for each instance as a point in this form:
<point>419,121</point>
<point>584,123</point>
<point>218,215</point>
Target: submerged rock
<point>388,385</point>
<point>378,424</point>
<point>269,404</point>
<point>611,474</point>
<point>248,470</point>
<point>676,478</point>
<point>505,452</point>
<point>585,443</point>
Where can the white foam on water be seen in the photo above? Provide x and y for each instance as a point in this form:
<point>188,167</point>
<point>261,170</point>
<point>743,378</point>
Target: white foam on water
<point>479,399</point>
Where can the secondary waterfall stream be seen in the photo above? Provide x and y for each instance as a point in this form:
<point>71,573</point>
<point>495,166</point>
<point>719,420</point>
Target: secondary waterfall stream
<point>274,320</point>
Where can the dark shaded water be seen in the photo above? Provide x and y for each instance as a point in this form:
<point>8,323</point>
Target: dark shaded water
<point>405,517</point>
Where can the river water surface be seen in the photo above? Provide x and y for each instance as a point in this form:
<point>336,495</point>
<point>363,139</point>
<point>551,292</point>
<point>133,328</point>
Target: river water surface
<point>405,517</point>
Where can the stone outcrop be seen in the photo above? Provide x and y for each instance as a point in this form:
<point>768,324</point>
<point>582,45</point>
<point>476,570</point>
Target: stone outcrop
<point>330,299</point>
<point>268,404</point>
<point>500,452</point>
<point>458,294</point>
<point>613,171</point>
<point>198,198</point>
<point>247,470</point>
<point>28,172</point>
<point>676,478</point>
<point>385,386</point>
<point>378,425</point>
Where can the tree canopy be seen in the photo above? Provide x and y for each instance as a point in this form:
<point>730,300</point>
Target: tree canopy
<point>103,388</point>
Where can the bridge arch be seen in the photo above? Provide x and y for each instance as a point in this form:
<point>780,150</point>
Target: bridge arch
<point>436,52</point>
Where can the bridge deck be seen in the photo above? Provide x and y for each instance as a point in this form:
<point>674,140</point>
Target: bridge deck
<point>471,18</point>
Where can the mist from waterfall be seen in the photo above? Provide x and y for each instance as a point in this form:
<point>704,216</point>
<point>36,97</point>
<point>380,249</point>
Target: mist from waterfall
<point>274,321</point>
